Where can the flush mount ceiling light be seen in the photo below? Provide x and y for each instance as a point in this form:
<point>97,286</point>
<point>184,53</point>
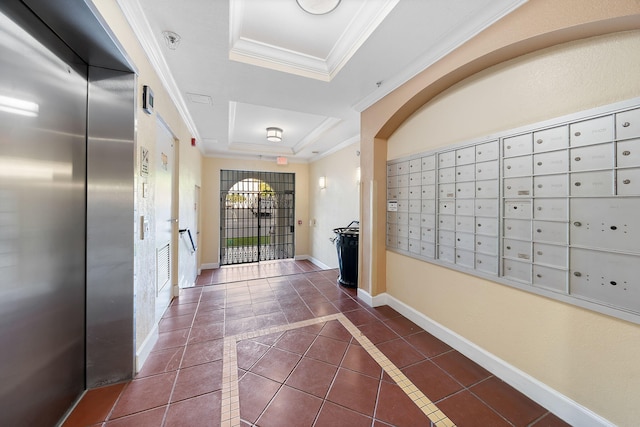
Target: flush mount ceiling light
<point>274,134</point>
<point>172,39</point>
<point>318,7</point>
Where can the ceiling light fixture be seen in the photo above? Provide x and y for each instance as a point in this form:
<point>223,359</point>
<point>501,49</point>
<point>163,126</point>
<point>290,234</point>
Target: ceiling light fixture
<point>172,39</point>
<point>274,134</point>
<point>318,7</point>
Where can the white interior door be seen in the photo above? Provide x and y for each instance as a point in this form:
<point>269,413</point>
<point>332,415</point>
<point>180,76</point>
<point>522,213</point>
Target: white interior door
<point>163,168</point>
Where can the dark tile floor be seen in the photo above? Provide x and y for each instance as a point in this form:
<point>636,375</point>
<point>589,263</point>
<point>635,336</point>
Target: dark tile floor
<point>316,375</point>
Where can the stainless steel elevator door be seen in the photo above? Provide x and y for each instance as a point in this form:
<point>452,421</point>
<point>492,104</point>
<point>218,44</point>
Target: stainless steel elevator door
<point>43,97</point>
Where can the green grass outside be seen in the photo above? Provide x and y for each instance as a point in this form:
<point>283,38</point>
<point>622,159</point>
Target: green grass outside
<point>247,241</point>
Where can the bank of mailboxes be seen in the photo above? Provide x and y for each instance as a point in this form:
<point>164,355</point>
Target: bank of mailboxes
<point>557,208</point>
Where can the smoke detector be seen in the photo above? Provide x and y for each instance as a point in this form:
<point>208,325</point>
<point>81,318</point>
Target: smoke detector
<point>172,39</point>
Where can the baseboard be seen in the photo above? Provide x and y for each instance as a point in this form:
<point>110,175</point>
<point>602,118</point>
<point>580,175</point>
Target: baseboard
<point>145,349</point>
<point>317,262</point>
<point>562,406</point>
<point>376,301</point>
<point>209,266</point>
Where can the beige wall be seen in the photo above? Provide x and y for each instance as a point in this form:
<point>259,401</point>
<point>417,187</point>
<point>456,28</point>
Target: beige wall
<point>210,201</point>
<point>335,206</point>
<point>187,173</point>
<point>588,357</point>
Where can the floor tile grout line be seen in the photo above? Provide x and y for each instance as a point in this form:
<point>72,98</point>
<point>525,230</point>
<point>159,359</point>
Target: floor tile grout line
<point>436,416</point>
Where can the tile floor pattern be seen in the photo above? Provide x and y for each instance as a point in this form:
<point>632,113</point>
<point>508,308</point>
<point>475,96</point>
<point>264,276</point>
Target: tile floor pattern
<point>299,350</point>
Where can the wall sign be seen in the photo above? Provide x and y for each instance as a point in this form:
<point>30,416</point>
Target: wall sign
<point>144,161</point>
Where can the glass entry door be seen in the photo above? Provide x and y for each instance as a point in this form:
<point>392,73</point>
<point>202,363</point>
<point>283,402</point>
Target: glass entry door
<point>257,220</point>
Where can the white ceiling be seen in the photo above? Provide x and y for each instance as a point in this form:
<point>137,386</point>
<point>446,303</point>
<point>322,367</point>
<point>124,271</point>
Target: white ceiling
<point>243,65</point>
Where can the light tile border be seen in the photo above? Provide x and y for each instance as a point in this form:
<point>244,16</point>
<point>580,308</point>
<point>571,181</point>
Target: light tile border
<point>230,413</point>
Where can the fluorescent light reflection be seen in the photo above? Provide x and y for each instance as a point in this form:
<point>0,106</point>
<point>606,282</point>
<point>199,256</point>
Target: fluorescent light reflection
<point>19,106</point>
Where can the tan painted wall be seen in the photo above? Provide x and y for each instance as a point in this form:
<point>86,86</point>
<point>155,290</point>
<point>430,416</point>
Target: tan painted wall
<point>188,172</point>
<point>335,206</point>
<point>210,196</point>
<point>589,357</point>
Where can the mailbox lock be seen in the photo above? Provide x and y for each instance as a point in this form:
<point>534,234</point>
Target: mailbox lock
<point>539,252</point>
<point>613,227</point>
<point>539,185</point>
<point>626,181</point>
<point>578,134</point>
<point>626,153</point>
<point>539,208</point>
<point>578,159</point>
<point>539,141</point>
<point>509,167</point>
<point>577,223</point>
<point>539,163</point>
<point>479,153</point>
<point>538,275</point>
<point>577,184</point>
<point>577,274</point>
<point>508,147</point>
<point>509,247</point>
<point>613,283</point>
<point>539,230</point>
<point>626,124</point>
<point>508,187</point>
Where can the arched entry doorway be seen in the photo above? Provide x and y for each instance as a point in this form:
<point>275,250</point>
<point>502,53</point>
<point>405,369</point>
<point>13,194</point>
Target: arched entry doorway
<point>256,216</point>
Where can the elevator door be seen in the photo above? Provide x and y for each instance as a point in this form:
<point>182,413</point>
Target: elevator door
<point>43,98</point>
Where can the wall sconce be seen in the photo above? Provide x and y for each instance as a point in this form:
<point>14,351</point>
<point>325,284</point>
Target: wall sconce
<point>322,182</point>
<point>274,134</point>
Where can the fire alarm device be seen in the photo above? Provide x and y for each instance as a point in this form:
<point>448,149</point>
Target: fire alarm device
<point>147,99</point>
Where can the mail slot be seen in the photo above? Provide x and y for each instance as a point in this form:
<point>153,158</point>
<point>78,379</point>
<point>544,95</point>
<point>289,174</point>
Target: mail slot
<point>403,168</point>
<point>428,177</point>
<point>447,222</point>
<point>415,192</point>
<point>553,162</point>
<point>414,246</point>
<point>487,226</point>
<point>517,145</point>
<point>447,175</point>
<point>466,189</point>
<point>464,207</point>
<point>516,166</point>
<point>517,229</point>
<point>487,263</point>
<point>403,243</point>
<point>517,209</point>
<point>428,234</point>
<point>487,170</point>
<point>550,278</point>
<point>598,183</point>
<point>465,173</point>
<point>517,249</point>
<point>429,162</point>
<point>628,124</point>
<point>415,178</point>
<point>403,230</point>
<point>402,192</point>
<point>465,223</point>
<point>428,205</point>
<point>428,250</point>
<point>606,278</point>
<point>517,270</point>
<point>518,187</point>
<point>447,191</point>
<point>415,165</point>
<point>465,241</point>
<point>548,231</point>
<point>551,186</point>
<point>414,219</point>
<point>403,180</point>
<point>414,206</point>
<point>553,209</point>
<point>403,217</point>
<point>628,182</point>
<point>403,205</point>
<point>551,139</point>
<point>447,254</point>
<point>487,151</point>
<point>467,155</point>
<point>607,223</point>
<point>552,255</point>
<point>487,207</point>
<point>465,258</point>
<point>487,189</point>
<point>447,159</point>
<point>428,192</point>
<point>591,131</point>
<point>592,157</point>
<point>487,245</point>
<point>447,207</point>
<point>427,220</point>
<point>628,153</point>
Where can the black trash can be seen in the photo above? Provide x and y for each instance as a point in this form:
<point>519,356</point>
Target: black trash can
<point>346,241</point>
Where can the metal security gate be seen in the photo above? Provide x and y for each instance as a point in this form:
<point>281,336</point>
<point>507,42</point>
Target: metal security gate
<point>256,216</point>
